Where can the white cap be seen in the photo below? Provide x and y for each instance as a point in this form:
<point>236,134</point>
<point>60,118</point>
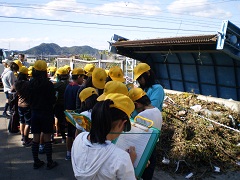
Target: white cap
<point>6,61</point>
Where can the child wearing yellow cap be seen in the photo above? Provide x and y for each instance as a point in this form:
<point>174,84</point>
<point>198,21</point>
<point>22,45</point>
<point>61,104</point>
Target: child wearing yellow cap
<point>41,95</point>
<point>145,76</point>
<point>115,73</point>
<point>95,150</point>
<point>97,80</point>
<point>23,106</point>
<point>88,98</point>
<point>60,86</point>
<point>70,98</point>
<point>145,109</point>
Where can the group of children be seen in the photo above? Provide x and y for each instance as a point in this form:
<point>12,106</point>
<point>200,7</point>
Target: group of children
<point>100,96</point>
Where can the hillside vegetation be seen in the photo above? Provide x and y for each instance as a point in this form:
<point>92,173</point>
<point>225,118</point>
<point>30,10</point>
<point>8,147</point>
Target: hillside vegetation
<point>54,49</point>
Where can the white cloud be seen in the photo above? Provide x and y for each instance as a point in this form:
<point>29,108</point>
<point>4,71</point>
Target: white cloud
<point>124,8</point>
<point>22,43</point>
<point>65,5</point>
<point>7,11</point>
<point>201,8</point>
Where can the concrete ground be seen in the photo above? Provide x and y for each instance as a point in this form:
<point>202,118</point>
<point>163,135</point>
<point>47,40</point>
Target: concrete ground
<point>16,161</point>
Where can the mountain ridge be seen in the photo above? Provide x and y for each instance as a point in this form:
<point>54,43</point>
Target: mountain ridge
<point>55,49</point>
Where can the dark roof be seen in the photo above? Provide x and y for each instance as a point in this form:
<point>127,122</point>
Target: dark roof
<point>203,39</point>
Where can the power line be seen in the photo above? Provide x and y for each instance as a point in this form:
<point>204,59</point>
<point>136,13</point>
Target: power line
<point>61,25</point>
<point>148,19</point>
<point>101,24</point>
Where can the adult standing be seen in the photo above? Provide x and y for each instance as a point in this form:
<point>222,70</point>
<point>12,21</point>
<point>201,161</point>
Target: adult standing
<point>8,79</point>
<point>21,58</point>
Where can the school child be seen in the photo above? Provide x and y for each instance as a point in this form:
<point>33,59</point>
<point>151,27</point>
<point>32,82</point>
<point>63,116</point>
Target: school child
<point>41,96</point>
<point>93,154</point>
<point>115,74</point>
<point>88,69</point>
<point>23,106</point>
<point>88,98</point>
<point>70,104</point>
<point>97,80</point>
<point>60,86</point>
<point>145,109</point>
<point>113,87</point>
<point>146,78</point>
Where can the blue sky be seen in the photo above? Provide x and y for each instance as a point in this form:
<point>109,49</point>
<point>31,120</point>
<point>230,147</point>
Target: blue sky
<point>28,23</point>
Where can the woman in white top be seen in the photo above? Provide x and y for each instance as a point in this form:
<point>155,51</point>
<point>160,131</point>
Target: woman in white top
<point>93,154</point>
<point>8,79</point>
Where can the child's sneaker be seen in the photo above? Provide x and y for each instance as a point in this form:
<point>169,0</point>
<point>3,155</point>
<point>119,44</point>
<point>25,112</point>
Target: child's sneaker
<point>41,150</point>
<point>28,143</point>
<point>68,158</point>
<point>38,164</point>
<point>51,165</point>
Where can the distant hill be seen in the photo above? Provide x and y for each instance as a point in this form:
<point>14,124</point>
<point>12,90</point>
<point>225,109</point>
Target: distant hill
<point>54,49</point>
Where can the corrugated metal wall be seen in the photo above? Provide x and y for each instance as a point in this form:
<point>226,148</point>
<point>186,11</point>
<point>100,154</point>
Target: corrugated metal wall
<point>215,74</point>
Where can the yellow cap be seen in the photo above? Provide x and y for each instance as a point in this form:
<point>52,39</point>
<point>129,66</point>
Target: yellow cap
<point>23,70</point>
<point>40,65</point>
<point>113,87</point>
<point>140,69</point>
<point>52,69</point>
<point>86,93</point>
<point>62,71</point>
<point>116,74</point>
<point>19,63</point>
<point>89,69</point>
<point>67,67</point>
<point>30,73</point>
<point>124,103</point>
<point>107,71</point>
<point>136,93</point>
<point>77,71</point>
<point>99,78</point>
<point>30,68</point>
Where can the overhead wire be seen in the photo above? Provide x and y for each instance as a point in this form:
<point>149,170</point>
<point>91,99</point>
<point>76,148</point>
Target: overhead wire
<point>81,2</point>
<point>100,24</point>
<point>148,19</point>
<point>77,26</point>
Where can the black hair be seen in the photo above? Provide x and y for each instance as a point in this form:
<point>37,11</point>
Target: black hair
<point>22,55</point>
<point>88,82</point>
<point>39,79</point>
<point>103,117</point>
<point>150,79</point>
<point>22,87</point>
<point>62,77</point>
<point>75,76</point>
<point>89,103</point>
<point>22,76</point>
<point>144,100</point>
<point>14,67</point>
<point>108,79</point>
<point>51,73</point>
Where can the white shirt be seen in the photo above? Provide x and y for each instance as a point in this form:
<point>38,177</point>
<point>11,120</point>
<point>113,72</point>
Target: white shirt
<point>25,63</point>
<point>153,114</point>
<point>8,79</point>
<point>100,161</point>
